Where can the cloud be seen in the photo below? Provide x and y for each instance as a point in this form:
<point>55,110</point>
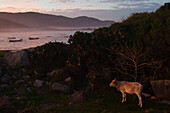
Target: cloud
<point>25,9</point>
<point>10,9</point>
<point>65,1</point>
<point>27,0</point>
<point>110,1</point>
<point>116,14</point>
<point>28,5</point>
<point>61,1</point>
<point>19,0</point>
<point>136,6</point>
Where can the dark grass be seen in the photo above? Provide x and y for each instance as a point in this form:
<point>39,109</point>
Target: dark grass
<point>110,102</point>
<point>29,101</point>
<point>107,101</point>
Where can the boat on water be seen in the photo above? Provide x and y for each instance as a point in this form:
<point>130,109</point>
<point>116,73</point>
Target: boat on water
<point>33,38</point>
<point>15,40</point>
<point>64,35</point>
<point>48,36</point>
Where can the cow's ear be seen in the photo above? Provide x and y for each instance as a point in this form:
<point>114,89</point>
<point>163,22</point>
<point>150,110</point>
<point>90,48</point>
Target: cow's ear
<point>115,79</point>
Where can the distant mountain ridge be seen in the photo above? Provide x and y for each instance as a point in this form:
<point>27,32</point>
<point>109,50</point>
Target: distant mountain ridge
<point>39,20</point>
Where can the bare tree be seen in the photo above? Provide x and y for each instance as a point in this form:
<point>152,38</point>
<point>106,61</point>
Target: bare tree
<point>132,60</point>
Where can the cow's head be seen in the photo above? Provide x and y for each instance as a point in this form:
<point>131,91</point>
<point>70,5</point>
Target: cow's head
<point>113,83</point>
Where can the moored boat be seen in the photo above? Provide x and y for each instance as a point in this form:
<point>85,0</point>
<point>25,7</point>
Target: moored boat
<point>48,36</point>
<point>66,36</point>
<point>33,38</point>
<point>15,40</point>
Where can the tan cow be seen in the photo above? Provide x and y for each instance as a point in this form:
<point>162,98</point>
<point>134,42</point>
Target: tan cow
<point>128,87</point>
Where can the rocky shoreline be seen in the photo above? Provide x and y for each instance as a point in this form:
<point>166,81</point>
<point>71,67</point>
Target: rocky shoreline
<point>14,77</point>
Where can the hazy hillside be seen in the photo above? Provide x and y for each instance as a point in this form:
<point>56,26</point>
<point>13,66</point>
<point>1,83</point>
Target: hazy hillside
<point>9,24</point>
<point>38,20</point>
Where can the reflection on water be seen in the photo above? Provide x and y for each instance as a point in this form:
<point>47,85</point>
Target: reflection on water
<point>44,37</point>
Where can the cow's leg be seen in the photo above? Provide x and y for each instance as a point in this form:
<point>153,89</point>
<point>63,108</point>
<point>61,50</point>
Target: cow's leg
<point>140,99</point>
<point>123,97</point>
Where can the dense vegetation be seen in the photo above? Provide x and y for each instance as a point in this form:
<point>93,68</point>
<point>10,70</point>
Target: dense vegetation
<point>43,59</point>
<point>136,49</point>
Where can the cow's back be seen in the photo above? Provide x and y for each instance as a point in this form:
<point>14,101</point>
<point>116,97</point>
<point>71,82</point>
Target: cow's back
<point>131,87</point>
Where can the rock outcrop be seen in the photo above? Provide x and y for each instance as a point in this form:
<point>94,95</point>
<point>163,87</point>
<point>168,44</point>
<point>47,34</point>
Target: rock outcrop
<point>77,96</point>
<point>6,78</point>
<point>38,83</point>
<point>4,101</point>
<point>161,88</point>
<point>60,87</point>
<point>16,59</point>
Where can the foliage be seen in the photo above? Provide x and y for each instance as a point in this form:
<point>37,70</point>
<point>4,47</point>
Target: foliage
<point>139,47</point>
<point>77,64</point>
<point>48,57</point>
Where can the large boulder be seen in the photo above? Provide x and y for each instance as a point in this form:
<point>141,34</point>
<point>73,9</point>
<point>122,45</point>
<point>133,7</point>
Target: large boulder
<point>68,80</point>
<point>147,88</point>
<point>38,83</point>
<point>4,86</point>
<point>4,101</point>
<point>19,82</point>
<point>59,87</point>
<point>16,59</point>
<point>21,91</point>
<point>55,72</point>
<point>42,107</point>
<point>77,96</point>
<point>161,88</point>
<point>6,78</point>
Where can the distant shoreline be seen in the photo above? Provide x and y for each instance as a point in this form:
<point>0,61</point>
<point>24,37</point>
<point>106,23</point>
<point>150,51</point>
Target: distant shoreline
<point>49,29</point>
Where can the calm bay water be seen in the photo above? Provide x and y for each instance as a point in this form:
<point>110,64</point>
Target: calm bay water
<point>44,37</point>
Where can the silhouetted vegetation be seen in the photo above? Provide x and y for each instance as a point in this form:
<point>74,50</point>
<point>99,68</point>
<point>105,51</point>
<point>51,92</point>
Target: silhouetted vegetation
<point>48,57</point>
<point>136,49</point>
